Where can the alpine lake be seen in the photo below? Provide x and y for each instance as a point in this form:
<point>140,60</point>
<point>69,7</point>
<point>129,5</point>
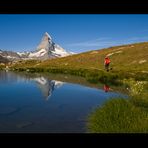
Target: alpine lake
<point>53,103</point>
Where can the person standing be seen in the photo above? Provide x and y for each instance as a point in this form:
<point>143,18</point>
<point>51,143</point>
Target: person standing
<point>107,63</point>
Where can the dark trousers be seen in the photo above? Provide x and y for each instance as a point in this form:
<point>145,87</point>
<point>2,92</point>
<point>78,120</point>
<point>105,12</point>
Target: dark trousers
<point>107,67</point>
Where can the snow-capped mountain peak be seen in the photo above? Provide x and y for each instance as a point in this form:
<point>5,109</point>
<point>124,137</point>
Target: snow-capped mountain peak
<point>53,50</point>
<point>45,50</point>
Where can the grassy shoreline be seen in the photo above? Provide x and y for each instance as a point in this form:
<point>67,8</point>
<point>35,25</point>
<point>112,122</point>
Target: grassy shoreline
<point>122,116</point>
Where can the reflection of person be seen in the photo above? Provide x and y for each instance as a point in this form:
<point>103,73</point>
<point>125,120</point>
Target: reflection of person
<point>106,63</point>
<point>106,88</point>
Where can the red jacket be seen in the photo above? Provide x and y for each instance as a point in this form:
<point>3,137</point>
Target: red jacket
<point>107,61</point>
<point>106,88</point>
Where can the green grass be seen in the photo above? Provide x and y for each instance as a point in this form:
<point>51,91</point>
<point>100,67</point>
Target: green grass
<point>123,115</point>
<point>1,67</point>
<point>118,116</point>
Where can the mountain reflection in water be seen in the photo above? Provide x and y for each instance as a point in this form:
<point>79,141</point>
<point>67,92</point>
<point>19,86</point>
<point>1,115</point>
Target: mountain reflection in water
<point>44,84</point>
<point>47,86</point>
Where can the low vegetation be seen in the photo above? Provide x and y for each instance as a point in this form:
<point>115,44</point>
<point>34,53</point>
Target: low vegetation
<point>118,116</point>
<point>2,66</point>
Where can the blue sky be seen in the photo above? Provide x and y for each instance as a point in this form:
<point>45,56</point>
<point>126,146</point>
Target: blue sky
<point>74,32</point>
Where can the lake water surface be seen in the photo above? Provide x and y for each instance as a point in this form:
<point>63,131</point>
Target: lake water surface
<point>42,105</point>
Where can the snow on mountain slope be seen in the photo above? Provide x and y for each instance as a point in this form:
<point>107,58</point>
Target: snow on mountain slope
<point>59,51</point>
<point>45,50</point>
<point>23,53</point>
<point>37,53</point>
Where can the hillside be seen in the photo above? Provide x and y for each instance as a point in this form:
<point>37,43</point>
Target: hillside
<point>132,57</point>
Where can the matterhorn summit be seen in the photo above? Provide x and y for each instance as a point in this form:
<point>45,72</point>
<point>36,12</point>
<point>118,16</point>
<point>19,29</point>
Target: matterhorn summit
<point>46,42</point>
<point>48,49</point>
